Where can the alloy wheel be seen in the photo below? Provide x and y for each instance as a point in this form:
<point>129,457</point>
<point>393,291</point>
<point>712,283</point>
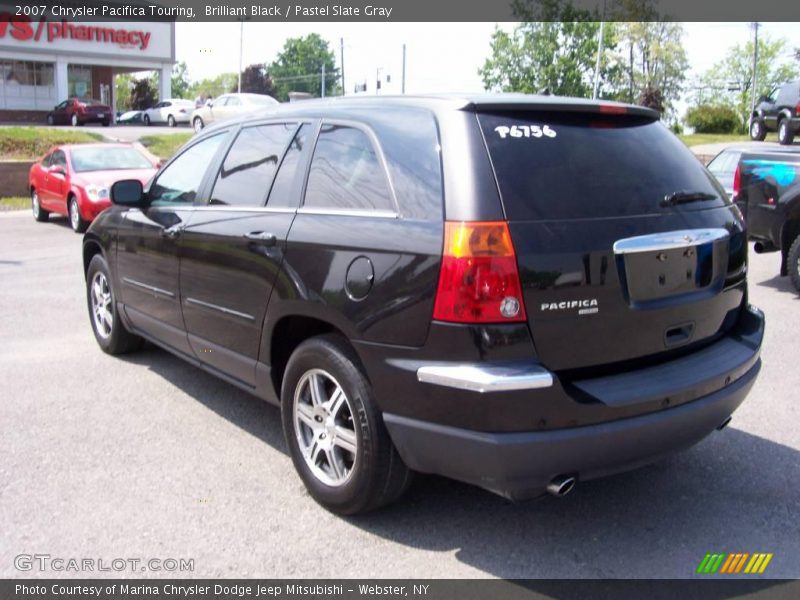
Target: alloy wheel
<point>101,305</point>
<point>74,215</point>
<point>35,205</point>
<point>324,427</point>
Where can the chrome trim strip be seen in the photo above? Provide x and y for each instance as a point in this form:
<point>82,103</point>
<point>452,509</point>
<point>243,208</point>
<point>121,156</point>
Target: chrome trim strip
<point>244,209</point>
<point>348,212</point>
<point>487,378</point>
<point>669,240</point>
<point>149,288</point>
<point>222,309</point>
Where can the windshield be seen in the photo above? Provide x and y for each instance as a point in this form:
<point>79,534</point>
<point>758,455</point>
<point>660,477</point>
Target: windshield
<point>108,159</point>
<point>260,99</point>
<point>578,166</point>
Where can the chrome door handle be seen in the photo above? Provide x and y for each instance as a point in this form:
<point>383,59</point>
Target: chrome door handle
<point>172,233</point>
<point>264,238</point>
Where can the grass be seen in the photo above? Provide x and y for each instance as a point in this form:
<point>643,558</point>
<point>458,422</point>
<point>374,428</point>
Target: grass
<point>29,143</point>
<point>164,146</point>
<point>14,203</point>
<point>696,139</point>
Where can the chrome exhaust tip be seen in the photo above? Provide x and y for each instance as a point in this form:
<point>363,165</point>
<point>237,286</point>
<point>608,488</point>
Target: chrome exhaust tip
<point>561,486</point>
<point>724,424</point>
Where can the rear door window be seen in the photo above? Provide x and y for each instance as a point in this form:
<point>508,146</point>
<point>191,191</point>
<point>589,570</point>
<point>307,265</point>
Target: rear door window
<point>283,194</point>
<point>247,171</point>
<point>346,173</point>
<point>556,166</point>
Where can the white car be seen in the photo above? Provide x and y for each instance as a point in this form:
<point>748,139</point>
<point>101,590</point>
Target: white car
<point>170,111</point>
<point>230,105</point>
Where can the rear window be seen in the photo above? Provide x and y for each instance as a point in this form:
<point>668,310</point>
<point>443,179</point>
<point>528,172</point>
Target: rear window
<point>577,166</point>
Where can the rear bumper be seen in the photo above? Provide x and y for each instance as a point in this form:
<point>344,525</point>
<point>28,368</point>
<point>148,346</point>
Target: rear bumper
<point>692,394</point>
<point>520,465</point>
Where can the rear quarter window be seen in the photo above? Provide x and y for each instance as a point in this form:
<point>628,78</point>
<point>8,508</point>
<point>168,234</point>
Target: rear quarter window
<point>556,166</point>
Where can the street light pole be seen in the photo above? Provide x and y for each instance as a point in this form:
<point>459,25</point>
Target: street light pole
<point>599,53</point>
<point>241,46</point>
<point>756,25</point>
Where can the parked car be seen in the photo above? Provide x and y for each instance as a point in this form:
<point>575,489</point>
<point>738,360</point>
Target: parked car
<point>500,289</point>
<point>79,111</point>
<point>779,111</point>
<point>767,191</point>
<point>131,117</point>
<point>74,179</point>
<point>228,106</point>
<point>170,111</point>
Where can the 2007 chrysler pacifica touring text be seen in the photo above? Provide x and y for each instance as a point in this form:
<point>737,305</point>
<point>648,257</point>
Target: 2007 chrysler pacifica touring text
<point>518,292</point>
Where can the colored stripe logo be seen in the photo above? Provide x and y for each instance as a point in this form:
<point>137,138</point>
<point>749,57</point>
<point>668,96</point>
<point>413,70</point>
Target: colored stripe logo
<point>737,562</point>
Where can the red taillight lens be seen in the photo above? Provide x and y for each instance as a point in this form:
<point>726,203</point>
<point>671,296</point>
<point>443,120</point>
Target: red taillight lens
<point>737,180</point>
<point>479,281</point>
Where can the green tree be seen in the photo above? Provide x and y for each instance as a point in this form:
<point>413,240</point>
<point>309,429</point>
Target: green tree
<point>298,67</point>
<point>554,47</point>
<point>654,59</point>
<point>213,87</point>
<point>143,94</point>
<point>123,85</point>
<point>730,81</point>
<point>180,81</point>
<point>256,80</point>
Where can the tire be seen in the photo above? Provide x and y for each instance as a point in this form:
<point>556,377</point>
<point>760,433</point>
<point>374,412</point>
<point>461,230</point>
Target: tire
<point>198,124</point>
<point>112,338</point>
<point>147,120</point>
<point>793,263</point>
<point>106,123</point>
<point>171,121</point>
<point>785,134</point>
<point>75,220</point>
<point>355,467</point>
<point>758,132</point>
<point>74,120</point>
<point>39,213</point>
<point>51,120</point>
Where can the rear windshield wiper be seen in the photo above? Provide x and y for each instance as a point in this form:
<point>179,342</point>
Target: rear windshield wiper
<point>683,197</point>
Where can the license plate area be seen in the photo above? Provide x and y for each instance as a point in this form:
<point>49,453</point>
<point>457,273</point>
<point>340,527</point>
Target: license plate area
<point>660,268</point>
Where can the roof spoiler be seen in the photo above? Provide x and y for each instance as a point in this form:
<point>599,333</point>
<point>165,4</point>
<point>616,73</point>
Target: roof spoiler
<point>560,104</point>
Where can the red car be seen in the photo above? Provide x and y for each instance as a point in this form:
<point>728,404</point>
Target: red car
<point>77,111</point>
<point>75,179</point>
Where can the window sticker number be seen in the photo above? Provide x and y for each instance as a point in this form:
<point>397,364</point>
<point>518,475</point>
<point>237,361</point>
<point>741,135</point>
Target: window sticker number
<point>524,131</point>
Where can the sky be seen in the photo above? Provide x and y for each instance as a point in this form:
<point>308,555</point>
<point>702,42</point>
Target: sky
<point>440,57</point>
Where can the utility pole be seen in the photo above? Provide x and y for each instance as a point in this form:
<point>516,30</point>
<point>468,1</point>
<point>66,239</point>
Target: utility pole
<point>756,25</point>
<point>599,53</point>
<point>341,54</point>
<point>322,82</point>
<point>403,83</point>
<point>241,45</point>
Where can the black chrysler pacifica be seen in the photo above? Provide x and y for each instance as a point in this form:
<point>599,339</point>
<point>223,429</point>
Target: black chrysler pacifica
<point>517,292</point>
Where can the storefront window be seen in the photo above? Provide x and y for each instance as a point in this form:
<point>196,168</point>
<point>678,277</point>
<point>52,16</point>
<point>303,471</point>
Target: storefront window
<point>26,85</point>
<point>79,81</point>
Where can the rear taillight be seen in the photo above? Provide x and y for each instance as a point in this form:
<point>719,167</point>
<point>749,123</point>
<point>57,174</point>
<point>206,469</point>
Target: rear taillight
<point>797,110</point>
<point>479,280</point>
<point>737,180</point>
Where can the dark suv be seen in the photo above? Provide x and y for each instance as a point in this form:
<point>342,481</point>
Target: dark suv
<point>780,111</point>
<point>517,292</point>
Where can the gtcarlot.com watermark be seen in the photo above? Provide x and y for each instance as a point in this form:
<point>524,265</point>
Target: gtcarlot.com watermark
<point>60,564</point>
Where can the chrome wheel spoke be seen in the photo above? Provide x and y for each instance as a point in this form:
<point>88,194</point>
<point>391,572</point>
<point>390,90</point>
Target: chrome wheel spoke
<point>346,439</point>
<point>317,390</point>
<point>306,415</point>
<point>337,401</point>
<point>337,468</point>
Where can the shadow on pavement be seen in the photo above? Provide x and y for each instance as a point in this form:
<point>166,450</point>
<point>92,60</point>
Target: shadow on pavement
<point>782,284</point>
<point>734,492</point>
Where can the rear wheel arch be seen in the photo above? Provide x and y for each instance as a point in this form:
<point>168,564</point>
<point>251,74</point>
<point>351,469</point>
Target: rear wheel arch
<point>287,334</point>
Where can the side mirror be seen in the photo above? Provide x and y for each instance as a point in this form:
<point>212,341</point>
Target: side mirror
<point>128,192</point>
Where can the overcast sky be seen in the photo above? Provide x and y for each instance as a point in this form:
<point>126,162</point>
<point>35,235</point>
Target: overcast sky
<point>441,57</point>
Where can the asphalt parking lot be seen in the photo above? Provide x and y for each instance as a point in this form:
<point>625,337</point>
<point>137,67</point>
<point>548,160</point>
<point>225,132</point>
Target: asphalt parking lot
<point>147,457</point>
